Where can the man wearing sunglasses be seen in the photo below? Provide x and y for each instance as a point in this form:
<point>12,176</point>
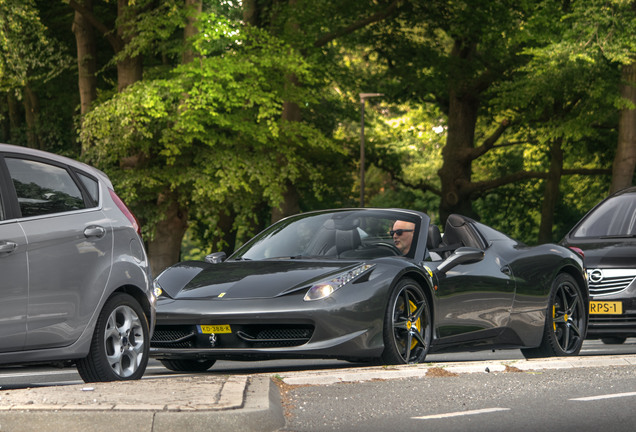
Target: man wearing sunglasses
<point>402,234</point>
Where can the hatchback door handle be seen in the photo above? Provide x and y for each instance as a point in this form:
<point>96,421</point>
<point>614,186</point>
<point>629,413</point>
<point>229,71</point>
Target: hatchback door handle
<point>506,270</point>
<point>94,231</point>
<point>7,247</point>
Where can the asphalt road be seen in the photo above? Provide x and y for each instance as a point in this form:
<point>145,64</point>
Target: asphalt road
<point>581,399</point>
<point>33,376</point>
<point>584,399</point>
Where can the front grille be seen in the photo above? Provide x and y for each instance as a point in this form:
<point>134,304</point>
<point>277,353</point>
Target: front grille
<point>274,336</point>
<point>242,336</point>
<point>609,281</point>
<point>175,337</point>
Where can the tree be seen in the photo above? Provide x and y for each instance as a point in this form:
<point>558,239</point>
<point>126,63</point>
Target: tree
<point>29,56</point>
<point>208,134</point>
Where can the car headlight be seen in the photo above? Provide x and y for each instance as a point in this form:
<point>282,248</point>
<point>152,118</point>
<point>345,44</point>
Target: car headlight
<point>156,288</point>
<point>325,288</point>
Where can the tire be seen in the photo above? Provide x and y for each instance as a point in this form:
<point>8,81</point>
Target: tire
<point>120,345</point>
<point>199,365</point>
<point>565,323</point>
<point>616,340</point>
<point>407,331</point>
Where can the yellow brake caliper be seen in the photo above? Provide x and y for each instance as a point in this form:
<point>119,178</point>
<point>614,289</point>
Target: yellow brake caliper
<point>418,323</point>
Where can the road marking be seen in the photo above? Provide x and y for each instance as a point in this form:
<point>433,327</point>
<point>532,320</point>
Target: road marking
<point>461,413</point>
<point>607,396</point>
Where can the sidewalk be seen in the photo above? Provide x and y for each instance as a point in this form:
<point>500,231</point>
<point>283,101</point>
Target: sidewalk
<point>202,403</point>
<point>219,402</point>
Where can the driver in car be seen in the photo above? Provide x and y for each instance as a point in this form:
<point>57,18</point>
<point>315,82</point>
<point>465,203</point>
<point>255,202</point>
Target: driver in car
<point>402,234</point>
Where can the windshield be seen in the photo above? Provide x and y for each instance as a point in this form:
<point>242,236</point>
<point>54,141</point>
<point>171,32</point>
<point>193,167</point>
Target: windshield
<point>354,234</point>
<point>616,217</point>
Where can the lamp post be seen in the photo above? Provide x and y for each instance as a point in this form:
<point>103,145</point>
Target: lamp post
<point>363,97</point>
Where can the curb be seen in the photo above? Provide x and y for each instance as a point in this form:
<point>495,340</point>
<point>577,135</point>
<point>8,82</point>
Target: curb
<point>424,369</point>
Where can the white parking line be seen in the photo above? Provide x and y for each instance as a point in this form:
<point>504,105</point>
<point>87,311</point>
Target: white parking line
<point>461,413</point>
<point>607,396</point>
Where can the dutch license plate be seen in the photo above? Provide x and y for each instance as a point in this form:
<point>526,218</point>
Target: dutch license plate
<point>606,307</point>
<point>216,329</point>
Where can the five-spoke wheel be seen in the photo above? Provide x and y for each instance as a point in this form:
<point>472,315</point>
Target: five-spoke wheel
<point>566,321</point>
<point>407,324</point>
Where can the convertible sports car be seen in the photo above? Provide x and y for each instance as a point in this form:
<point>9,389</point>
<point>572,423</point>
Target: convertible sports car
<point>333,284</point>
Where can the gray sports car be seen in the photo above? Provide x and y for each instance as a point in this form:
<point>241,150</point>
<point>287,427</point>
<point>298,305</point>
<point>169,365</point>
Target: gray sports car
<point>378,285</point>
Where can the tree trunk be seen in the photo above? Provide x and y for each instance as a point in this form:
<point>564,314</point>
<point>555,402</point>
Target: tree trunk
<point>193,9</point>
<point>625,159</point>
<point>86,58</point>
<point>291,113</point>
<point>456,168</point>
<point>4,119</point>
<point>129,69</point>
<point>14,118</point>
<point>289,206</point>
<point>551,192</point>
<point>165,247</point>
<point>32,115</point>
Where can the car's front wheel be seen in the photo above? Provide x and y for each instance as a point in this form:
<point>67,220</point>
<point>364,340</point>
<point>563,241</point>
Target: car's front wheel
<point>407,324</point>
<point>566,321</point>
<point>120,346</point>
<point>616,340</point>
<point>198,365</point>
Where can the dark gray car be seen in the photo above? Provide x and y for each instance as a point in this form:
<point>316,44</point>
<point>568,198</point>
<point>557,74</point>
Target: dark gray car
<point>607,236</point>
<point>75,280</point>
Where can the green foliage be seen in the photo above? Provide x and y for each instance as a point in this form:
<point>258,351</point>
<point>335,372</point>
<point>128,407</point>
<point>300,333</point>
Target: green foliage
<point>27,52</point>
<point>210,130</point>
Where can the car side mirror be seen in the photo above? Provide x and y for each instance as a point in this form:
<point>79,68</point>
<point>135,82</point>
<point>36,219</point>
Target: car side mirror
<point>462,255</point>
<point>215,258</point>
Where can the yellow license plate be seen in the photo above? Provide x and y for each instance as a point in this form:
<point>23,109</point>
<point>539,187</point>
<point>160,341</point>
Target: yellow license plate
<point>209,329</point>
<point>606,307</point>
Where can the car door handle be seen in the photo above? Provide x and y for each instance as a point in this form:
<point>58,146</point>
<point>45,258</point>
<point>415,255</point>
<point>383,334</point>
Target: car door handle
<point>94,231</point>
<point>7,247</point>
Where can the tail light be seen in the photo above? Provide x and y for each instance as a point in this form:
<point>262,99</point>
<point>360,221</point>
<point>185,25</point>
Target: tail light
<point>578,251</point>
<point>120,204</point>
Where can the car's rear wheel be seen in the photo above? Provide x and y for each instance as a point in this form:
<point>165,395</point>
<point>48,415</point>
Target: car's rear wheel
<point>120,346</point>
<point>566,321</point>
<point>187,365</point>
<point>407,324</point>
<point>613,340</point>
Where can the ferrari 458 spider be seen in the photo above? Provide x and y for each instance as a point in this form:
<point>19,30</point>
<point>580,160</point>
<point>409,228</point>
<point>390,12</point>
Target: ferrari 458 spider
<point>378,285</point>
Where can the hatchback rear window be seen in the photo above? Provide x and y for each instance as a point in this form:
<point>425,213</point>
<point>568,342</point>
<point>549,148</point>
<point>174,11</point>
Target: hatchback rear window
<point>43,188</point>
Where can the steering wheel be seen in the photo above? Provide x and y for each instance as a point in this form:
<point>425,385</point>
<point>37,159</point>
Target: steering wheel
<point>390,247</point>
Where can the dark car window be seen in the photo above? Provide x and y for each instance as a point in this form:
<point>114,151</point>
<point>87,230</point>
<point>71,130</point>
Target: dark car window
<point>43,188</point>
<point>616,217</point>
<point>344,234</point>
<point>91,186</point>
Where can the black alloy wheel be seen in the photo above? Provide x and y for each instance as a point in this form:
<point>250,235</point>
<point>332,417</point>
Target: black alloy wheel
<point>407,324</point>
<point>614,340</point>
<point>188,365</point>
<point>566,321</point>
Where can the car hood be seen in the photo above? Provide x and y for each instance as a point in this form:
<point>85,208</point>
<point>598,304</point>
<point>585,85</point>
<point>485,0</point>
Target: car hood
<point>258,279</point>
<point>608,253</point>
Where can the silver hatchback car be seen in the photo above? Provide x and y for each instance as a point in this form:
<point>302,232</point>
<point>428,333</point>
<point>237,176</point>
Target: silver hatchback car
<point>74,275</point>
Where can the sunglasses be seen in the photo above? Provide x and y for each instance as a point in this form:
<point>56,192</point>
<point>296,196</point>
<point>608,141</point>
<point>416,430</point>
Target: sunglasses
<point>399,232</point>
